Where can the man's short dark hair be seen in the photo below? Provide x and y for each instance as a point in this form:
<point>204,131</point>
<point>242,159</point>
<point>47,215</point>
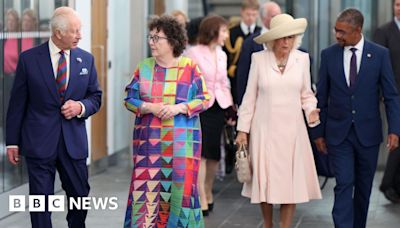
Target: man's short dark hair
<point>351,16</point>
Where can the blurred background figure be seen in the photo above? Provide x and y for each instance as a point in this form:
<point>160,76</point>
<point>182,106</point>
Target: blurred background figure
<point>181,17</point>
<point>193,30</point>
<point>208,54</point>
<point>12,46</point>
<point>246,27</point>
<point>29,25</point>
<point>249,46</point>
<point>388,35</point>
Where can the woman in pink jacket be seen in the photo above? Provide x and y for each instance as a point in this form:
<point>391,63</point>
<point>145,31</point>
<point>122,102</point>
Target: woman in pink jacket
<point>208,54</point>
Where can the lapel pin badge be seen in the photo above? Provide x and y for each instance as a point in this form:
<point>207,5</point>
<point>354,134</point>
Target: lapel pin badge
<point>369,55</point>
<point>79,59</point>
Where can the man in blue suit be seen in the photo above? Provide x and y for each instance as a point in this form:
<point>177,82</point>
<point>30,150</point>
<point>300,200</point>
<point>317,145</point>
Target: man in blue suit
<point>249,46</point>
<point>353,75</point>
<point>54,92</point>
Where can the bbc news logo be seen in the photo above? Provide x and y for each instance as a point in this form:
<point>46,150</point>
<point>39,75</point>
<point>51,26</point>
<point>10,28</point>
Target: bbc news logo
<point>37,203</point>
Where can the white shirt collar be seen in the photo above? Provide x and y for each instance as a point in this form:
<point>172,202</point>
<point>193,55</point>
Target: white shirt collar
<point>359,45</point>
<point>397,21</point>
<point>245,28</point>
<point>54,50</point>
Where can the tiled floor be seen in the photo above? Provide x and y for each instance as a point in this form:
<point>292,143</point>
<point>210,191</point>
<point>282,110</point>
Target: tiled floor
<point>231,210</point>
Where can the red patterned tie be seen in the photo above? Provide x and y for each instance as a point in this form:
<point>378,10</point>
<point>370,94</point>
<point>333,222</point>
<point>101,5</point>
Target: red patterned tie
<point>61,75</point>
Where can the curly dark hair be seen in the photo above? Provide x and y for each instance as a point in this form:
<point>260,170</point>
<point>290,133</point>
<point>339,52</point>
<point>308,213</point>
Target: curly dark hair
<point>209,28</point>
<point>174,31</point>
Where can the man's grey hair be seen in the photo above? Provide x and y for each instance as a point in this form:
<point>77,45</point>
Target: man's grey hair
<point>264,8</point>
<point>60,19</point>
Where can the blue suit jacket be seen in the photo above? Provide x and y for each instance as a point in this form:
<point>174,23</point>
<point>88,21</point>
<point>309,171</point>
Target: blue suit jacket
<point>249,46</point>
<point>341,106</point>
<point>34,119</point>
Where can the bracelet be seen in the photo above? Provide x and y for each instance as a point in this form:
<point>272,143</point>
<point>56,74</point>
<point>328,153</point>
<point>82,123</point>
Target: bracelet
<point>143,107</point>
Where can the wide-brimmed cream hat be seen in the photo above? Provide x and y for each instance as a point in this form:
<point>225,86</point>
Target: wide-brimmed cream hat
<point>282,25</point>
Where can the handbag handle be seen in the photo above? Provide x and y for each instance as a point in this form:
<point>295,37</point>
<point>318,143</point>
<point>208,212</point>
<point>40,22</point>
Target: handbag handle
<point>242,147</point>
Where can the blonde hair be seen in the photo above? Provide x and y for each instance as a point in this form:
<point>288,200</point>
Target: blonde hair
<point>176,13</point>
<point>32,15</point>
<point>14,14</point>
<point>250,4</point>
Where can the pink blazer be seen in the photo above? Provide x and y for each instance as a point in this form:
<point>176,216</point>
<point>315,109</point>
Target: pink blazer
<point>215,74</point>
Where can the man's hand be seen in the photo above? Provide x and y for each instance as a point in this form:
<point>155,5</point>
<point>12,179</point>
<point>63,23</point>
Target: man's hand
<point>13,155</point>
<point>321,145</point>
<point>392,142</point>
<point>70,109</point>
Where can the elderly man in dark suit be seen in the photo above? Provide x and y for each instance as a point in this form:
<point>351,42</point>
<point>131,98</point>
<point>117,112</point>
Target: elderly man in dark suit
<point>249,46</point>
<point>353,74</point>
<point>388,35</point>
<point>55,90</point>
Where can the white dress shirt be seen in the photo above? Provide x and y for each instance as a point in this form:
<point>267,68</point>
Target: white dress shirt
<point>347,53</point>
<point>55,56</point>
<point>245,28</point>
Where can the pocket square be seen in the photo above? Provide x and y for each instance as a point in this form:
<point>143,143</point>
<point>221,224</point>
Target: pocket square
<point>84,71</point>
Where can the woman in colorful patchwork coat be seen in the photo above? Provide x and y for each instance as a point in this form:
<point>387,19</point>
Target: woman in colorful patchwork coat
<point>166,94</point>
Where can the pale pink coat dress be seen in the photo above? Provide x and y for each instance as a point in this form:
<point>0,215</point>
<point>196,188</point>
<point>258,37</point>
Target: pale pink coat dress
<point>281,156</point>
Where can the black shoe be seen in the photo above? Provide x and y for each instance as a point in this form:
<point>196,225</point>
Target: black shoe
<point>205,213</point>
<point>210,207</point>
<point>391,195</point>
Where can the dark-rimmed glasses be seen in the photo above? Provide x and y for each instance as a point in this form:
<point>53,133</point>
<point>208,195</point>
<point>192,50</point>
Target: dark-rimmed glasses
<point>155,38</point>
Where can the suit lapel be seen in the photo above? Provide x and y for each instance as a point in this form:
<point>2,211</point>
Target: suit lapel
<point>73,72</point>
<point>365,61</point>
<point>395,30</point>
<point>46,68</point>
<point>340,69</point>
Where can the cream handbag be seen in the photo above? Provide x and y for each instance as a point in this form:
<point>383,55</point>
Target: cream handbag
<point>242,166</point>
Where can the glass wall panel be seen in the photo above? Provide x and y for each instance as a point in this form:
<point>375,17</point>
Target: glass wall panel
<point>24,24</point>
<point>2,157</point>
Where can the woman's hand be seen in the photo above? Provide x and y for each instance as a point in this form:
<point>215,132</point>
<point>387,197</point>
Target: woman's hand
<point>313,117</point>
<point>231,116</point>
<point>241,138</point>
<point>169,111</point>
<point>153,108</point>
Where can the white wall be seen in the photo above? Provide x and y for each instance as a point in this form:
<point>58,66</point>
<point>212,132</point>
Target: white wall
<point>83,7</point>
<point>126,29</point>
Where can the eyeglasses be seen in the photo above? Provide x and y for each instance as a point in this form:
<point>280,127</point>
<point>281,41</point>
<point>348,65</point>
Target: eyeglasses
<point>342,32</point>
<point>155,38</point>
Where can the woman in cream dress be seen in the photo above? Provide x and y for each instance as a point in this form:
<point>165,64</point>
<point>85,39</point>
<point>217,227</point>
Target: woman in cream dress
<point>277,93</point>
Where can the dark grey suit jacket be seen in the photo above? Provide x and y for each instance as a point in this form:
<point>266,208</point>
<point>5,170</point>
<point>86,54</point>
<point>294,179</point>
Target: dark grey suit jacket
<point>388,35</point>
